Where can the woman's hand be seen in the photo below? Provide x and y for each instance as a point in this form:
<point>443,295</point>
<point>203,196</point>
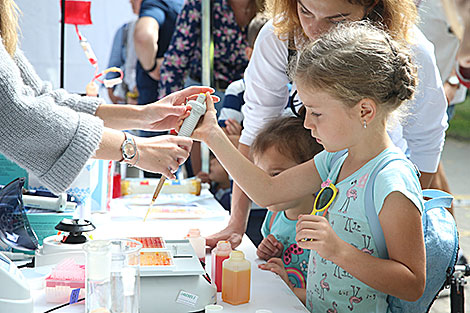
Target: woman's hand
<point>276,265</point>
<point>324,240</point>
<point>208,125</point>
<point>168,112</point>
<point>269,247</point>
<point>162,154</point>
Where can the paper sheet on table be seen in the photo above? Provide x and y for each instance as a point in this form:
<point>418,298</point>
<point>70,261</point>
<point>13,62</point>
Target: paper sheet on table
<point>166,198</point>
<point>170,211</point>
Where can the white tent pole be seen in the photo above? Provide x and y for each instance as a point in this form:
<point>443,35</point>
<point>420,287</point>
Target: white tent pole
<point>206,67</point>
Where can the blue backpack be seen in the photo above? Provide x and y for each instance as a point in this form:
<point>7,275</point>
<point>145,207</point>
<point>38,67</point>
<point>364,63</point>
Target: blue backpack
<point>440,238</point>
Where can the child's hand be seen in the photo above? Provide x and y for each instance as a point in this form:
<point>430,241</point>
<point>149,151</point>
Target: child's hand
<point>204,177</point>
<point>324,239</point>
<point>208,125</point>
<point>270,247</point>
<point>276,265</point>
<point>232,127</point>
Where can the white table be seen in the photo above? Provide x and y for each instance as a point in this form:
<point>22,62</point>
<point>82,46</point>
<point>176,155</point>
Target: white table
<point>268,291</point>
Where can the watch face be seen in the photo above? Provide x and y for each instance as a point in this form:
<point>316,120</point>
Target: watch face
<point>453,80</point>
<point>128,150</point>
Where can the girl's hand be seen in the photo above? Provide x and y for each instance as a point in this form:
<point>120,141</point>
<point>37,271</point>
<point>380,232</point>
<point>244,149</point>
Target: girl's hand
<point>168,112</point>
<point>324,239</point>
<point>270,247</point>
<point>208,125</point>
<point>276,265</point>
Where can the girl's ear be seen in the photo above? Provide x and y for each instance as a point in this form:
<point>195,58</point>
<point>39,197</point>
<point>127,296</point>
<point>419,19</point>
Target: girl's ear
<point>367,109</point>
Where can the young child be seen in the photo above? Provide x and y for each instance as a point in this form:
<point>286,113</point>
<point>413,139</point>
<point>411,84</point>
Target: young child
<point>221,185</point>
<point>350,80</point>
<point>274,151</point>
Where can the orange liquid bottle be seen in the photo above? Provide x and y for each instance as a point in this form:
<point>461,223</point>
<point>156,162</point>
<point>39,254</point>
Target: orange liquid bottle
<point>236,277</point>
<point>219,254</point>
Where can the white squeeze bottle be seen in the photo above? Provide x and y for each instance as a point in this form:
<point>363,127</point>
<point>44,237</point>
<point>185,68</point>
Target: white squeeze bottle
<point>198,243</point>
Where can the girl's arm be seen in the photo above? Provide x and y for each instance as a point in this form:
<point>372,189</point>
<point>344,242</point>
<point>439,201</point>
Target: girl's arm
<point>403,275</point>
<point>263,189</point>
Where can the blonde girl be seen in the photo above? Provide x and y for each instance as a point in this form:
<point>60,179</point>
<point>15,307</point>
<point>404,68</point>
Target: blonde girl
<point>349,110</point>
<point>295,23</point>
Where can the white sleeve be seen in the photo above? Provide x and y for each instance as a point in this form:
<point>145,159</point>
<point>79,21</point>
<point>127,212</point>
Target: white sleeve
<point>424,129</point>
<point>266,81</point>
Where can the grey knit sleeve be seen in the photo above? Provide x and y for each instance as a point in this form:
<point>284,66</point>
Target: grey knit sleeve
<point>51,141</point>
<point>61,97</point>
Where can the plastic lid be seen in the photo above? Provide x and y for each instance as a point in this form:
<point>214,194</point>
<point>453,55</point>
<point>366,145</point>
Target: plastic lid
<point>194,232</point>
<point>237,255</point>
<point>223,245</point>
<point>213,308</point>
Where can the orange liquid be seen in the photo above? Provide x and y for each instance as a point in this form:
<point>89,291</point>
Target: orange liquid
<point>236,286</point>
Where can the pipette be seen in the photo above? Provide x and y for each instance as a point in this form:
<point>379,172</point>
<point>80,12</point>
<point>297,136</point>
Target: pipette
<point>189,124</point>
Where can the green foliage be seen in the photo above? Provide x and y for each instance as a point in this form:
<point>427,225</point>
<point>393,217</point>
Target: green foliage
<point>460,125</point>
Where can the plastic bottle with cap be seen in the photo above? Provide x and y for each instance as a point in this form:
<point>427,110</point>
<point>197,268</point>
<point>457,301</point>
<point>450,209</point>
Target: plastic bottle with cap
<point>236,277</point>
<point>220,253</point>
<point>198,243</point>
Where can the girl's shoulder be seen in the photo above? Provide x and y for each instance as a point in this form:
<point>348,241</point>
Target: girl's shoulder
<point>399,175</point>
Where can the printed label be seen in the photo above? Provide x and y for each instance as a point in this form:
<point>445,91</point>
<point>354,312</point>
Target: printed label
<point>187,298</point>
<point>74,296</point>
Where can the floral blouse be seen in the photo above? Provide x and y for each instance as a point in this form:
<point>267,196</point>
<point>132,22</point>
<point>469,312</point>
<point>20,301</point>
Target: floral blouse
<point>183,56</point>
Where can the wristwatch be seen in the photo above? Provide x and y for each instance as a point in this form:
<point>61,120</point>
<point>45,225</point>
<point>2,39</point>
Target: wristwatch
<point>128,148</point>
<point>453,81</point>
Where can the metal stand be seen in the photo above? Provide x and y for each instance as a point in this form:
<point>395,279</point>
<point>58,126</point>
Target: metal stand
<point>457,283</point>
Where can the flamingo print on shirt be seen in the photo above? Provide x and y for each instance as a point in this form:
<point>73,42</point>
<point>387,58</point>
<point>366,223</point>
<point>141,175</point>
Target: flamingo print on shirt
<point>350,194</point>
<point>324,286</point>
<point>366,249</point>
<point>354,299</point>
<point>333,310</point>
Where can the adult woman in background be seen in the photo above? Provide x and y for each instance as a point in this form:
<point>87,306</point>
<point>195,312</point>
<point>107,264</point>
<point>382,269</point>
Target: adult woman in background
<point>299,21</point>
<point>229,21</point>
<point>52,133</point>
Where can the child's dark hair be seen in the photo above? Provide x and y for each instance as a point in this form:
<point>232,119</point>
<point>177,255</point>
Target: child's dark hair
<point>289,137</point>
<point>255,26</point>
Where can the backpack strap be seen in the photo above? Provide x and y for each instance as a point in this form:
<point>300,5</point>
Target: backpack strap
<point>371,213</point>
<point>439,198</point>
<point>271,220</point>
<point>336,157</point>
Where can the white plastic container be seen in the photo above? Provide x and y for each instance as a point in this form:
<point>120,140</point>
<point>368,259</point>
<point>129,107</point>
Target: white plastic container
<point>198,243</point>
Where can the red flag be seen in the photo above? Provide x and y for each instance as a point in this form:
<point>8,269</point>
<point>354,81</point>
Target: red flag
<point>77,12</point>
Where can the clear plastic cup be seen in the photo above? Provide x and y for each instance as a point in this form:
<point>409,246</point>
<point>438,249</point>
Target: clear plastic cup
<point>98,276</point>
<point>113,275</point>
